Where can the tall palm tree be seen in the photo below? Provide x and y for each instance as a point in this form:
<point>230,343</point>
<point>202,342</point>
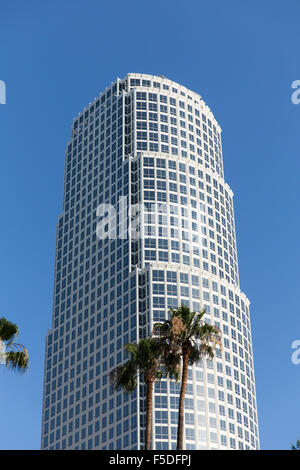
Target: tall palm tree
<point>144,361</point>
<point>186,334</point>
<point>15,355</point>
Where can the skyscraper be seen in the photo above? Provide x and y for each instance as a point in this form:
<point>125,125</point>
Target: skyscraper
<point>147,224</point>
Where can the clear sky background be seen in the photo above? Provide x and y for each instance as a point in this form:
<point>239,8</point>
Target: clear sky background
<point>55,57</point>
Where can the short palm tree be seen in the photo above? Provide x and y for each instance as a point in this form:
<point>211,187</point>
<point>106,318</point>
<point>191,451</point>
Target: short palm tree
<point>187,335</point>
<point>144,360</point>
<point>15,355</point>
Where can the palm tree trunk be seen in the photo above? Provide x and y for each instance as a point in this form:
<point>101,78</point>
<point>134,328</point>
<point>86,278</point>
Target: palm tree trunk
<point>185,370</point>
<point>149,384</point>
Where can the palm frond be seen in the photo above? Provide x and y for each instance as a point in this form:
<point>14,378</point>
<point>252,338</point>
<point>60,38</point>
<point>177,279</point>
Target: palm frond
<point>297,446</point>
<point>17,360</point>
<point>124,376</point>
<point>8,330</point>
<point>188,330</point>
<point>143,362</point>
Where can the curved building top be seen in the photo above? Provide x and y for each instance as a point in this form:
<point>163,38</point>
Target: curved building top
<point>158,82</point>
<point>192,132</point>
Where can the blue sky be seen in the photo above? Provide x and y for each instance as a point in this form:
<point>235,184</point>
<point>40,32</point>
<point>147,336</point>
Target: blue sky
<point>242,58</point>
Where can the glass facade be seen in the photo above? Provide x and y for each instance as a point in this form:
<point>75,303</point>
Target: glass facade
<point>151,150</point>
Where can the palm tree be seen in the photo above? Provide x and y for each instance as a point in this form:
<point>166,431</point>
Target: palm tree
<point>297,446</point>
<point>15,355</point>
<point>144,360</point>
<point>186,334</point>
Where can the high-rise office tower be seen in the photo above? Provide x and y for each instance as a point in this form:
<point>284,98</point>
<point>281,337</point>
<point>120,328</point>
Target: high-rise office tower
<point>147,224</point>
